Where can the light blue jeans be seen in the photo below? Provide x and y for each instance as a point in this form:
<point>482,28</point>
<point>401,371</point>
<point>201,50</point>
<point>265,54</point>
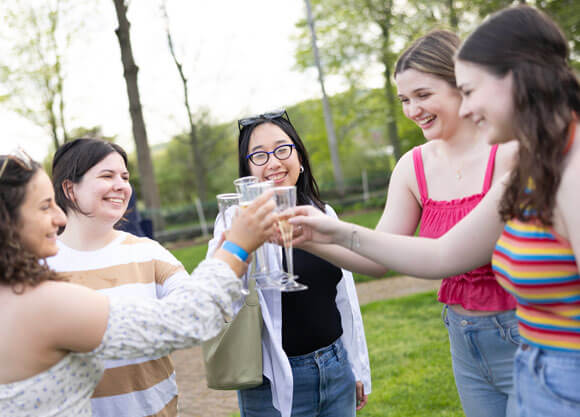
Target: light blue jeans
<point>547,382</point>
<point>324,386</point>
<point>482,354</point>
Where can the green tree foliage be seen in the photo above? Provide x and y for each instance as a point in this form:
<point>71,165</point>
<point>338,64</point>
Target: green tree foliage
<point>174,162</point>
<point>567,14</point>
<point>38,35</point>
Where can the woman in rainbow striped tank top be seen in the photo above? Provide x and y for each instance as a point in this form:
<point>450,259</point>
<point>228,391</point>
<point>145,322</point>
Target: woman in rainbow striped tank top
<point>516,83</point>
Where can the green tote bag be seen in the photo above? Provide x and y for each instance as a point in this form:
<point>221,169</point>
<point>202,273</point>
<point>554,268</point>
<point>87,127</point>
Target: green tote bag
<point>233,359</point>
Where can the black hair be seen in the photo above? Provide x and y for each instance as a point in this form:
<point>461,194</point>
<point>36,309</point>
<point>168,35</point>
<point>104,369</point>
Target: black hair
<point>306,187</point>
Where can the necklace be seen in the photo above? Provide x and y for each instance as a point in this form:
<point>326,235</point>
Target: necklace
<point>458,173</point>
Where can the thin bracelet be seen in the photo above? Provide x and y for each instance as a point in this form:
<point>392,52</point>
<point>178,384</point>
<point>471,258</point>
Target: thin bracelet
<point>235,250</point>
<point>354,239</point>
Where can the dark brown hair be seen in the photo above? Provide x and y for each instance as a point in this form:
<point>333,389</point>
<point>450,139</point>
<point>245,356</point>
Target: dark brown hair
<point>432,54</point>
<point>71,162</point>
<point>527,44</point>
<point>18,266</point>
<point>306,186</point>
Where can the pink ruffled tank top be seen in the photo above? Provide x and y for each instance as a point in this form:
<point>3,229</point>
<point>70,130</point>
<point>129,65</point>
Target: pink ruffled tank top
<point>477,289</point>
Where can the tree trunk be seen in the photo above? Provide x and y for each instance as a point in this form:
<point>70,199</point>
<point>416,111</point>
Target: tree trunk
<point>148,185</point>
<point>328,121</point>
<point>199,171</point>
<point>452,15</point>
<point>384,22</point>
<point>392,131</point>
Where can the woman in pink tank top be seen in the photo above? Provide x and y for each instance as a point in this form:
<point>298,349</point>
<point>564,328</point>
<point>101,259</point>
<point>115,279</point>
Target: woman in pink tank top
<point>435,185</point>
<point>517,85</point>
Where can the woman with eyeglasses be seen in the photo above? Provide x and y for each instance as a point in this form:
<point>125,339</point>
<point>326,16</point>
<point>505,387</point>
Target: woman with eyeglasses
<point>517,84</point>
<point>315,359</point>
<point>55,336</point>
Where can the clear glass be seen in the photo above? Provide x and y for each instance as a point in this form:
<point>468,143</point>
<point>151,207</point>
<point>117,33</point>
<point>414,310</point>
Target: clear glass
<point>286,199</point>
<point>242,185</point>
<point>227,204</point>
<point>225,201</point>
<point>261,268</point>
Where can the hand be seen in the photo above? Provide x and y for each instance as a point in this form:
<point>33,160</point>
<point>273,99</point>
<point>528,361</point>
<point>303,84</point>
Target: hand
<point>297,231</point>
<point>361,397</point>
<point>313,225</point>
<point>253,225</point>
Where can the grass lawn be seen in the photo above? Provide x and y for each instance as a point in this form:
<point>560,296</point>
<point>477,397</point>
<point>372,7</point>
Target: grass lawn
<point>193,255</point>
<point>410,359</point>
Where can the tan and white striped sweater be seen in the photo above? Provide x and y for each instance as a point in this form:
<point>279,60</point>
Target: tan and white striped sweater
<point>128,266</point>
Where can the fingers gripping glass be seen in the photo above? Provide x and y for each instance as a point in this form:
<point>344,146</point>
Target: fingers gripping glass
<point>286,199</point>
<point>281,153</point>
<point>249,188</point>
<point>18,156</point>
<point>275,114</point>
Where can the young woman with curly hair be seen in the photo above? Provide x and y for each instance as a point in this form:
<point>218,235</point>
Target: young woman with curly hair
<point>55,335</point>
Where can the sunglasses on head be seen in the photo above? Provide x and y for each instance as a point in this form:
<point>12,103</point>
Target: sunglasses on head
<point>18,156</point>
<point>275,114</point>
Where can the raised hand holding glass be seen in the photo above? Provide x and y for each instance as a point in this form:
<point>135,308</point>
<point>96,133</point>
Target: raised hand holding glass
<point>286,199</point>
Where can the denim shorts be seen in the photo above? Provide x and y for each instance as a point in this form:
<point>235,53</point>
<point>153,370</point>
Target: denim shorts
<point>547,382</point>
<point>324,386</point>
<point>482,355</point>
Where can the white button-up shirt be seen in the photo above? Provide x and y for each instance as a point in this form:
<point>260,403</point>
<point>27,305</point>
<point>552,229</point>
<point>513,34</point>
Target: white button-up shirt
<point>276,366</point>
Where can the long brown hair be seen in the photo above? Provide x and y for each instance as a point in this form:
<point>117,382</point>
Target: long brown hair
<point>432,54</point>
<point>526,43</point>
<point>18,266</point>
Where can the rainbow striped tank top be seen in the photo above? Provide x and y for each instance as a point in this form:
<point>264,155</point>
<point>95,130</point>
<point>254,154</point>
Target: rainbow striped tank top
<point>538,267</point>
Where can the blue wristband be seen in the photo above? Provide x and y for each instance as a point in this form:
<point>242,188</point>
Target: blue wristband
<point>235,250</point>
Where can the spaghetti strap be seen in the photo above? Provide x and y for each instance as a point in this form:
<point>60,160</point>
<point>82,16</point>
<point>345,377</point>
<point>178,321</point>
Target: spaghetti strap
<point>420,173</point>
<point>489,169</point>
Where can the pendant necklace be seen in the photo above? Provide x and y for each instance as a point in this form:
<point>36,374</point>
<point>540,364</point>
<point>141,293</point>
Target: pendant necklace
<point>458,173</point>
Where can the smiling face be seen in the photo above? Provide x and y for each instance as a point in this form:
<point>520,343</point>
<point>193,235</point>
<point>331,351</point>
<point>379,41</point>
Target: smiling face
<point>267,137</point>
<point>40,217</point>
<point>487,101</point>
<point>431,102</point>
<point>104,191</point>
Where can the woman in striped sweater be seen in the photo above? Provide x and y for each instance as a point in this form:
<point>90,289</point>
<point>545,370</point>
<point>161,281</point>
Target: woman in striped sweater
<point>516,83</point>
<point>91,182</point>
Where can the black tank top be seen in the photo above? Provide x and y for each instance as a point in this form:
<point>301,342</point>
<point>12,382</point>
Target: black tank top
<point>310,318</point>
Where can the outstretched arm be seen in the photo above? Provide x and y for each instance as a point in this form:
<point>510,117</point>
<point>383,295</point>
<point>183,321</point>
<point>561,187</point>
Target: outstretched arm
<point>400,216</point>
<point>466,246</point>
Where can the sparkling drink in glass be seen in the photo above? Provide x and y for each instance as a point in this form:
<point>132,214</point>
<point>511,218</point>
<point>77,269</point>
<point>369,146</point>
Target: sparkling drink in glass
<point>286,199</point>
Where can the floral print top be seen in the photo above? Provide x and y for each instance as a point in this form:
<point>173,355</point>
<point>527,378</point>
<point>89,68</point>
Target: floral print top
<point>190,314</point>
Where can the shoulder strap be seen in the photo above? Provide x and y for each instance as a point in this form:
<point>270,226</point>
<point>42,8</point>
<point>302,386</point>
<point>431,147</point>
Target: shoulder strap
<point>489,169</point>
<point>420,173</point>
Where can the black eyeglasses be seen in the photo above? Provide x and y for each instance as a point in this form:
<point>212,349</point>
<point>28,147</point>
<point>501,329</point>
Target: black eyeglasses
<point>262,157</point>
<point>275,114</point>
<point>18,156</point>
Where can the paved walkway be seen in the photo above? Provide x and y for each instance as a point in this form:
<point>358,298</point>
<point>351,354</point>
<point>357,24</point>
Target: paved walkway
<point>196,400</point>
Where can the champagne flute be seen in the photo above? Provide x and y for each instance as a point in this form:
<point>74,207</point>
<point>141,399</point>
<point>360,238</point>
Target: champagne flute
<point>259,268</point>
<point>227,203</point>
<point>262,270</point>
<point>242,185</point>
<point>286,199</point>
